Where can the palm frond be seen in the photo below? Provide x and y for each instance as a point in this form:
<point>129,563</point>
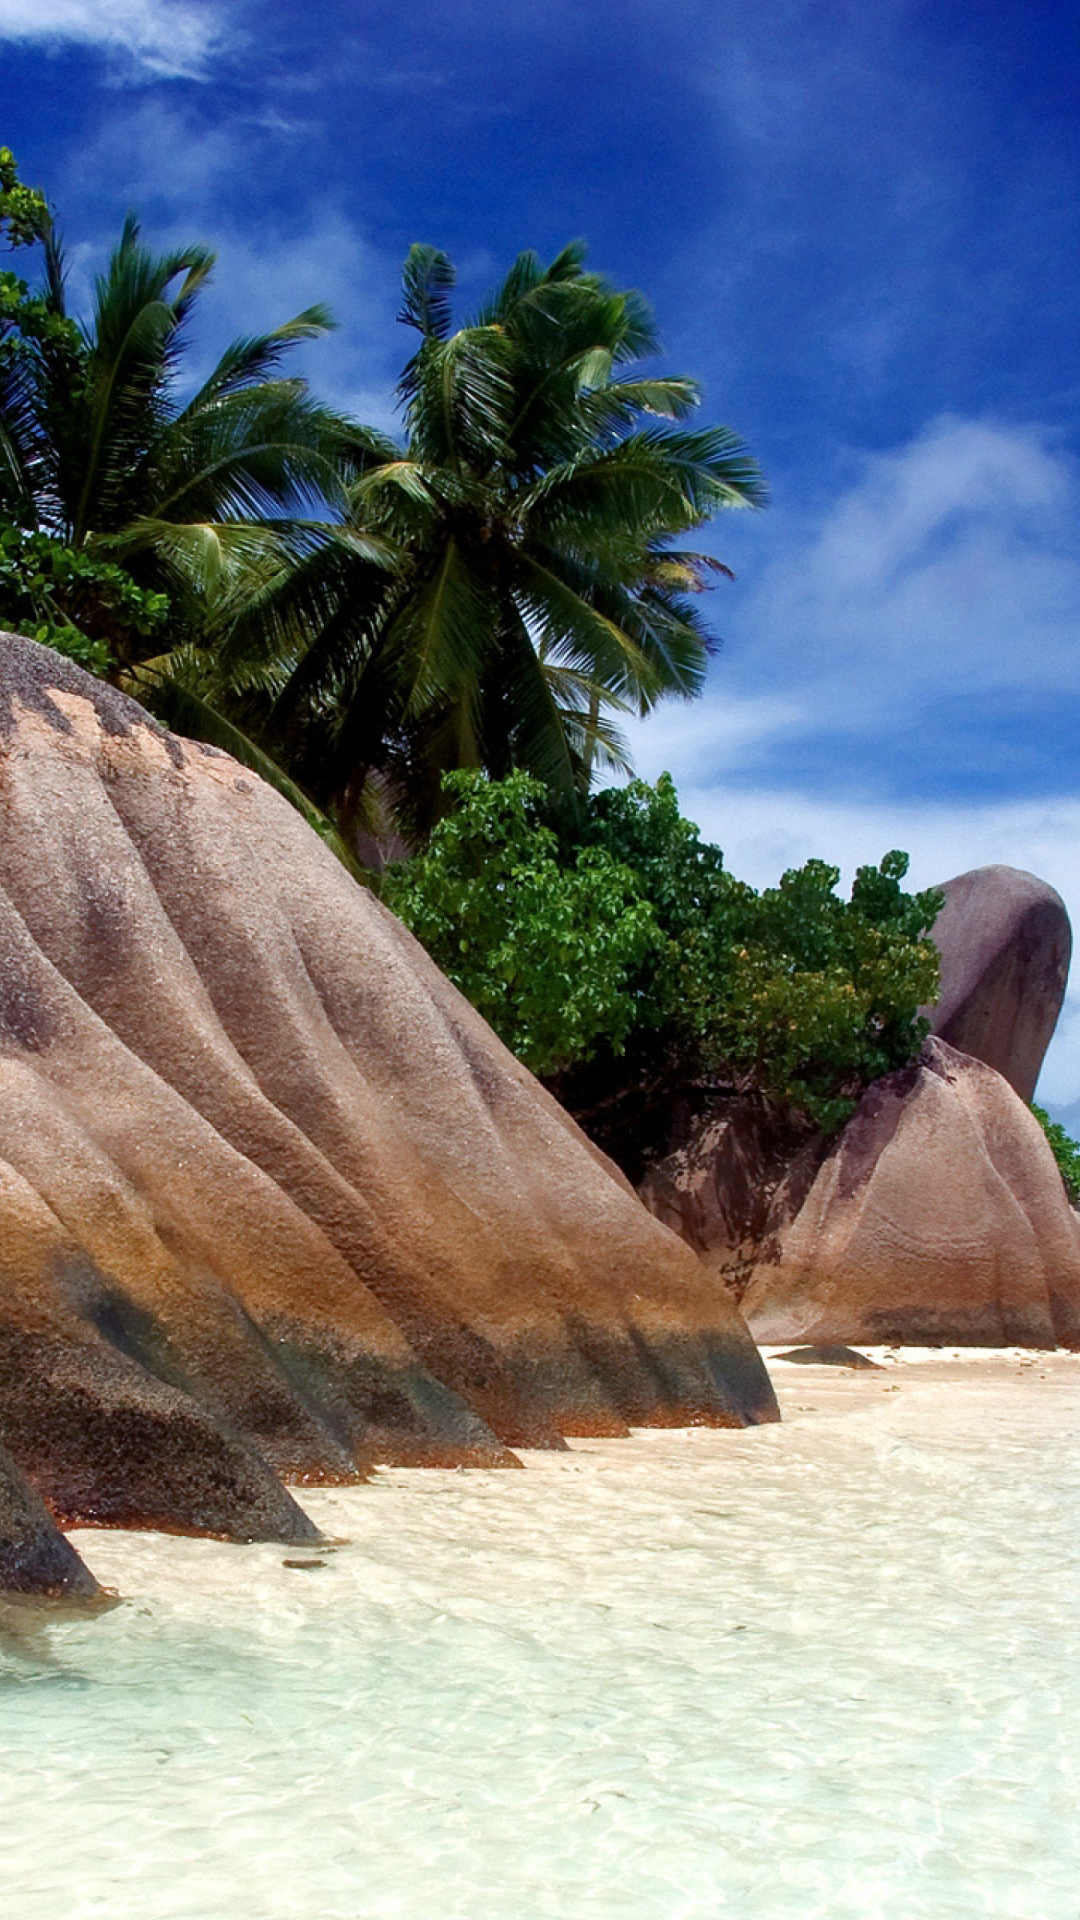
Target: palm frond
<point>444,634</point>
<point>577,630</point>
<point>521,704</point>
<point>427,282</point>
<point>251,454</point>
<point>458,398</point>
<point>258,357</point>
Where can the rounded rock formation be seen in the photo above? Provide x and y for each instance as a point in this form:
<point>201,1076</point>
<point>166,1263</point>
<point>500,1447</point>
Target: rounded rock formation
<point>938,1218</point>
<point>274,1201</point>
<point>1005,944</point>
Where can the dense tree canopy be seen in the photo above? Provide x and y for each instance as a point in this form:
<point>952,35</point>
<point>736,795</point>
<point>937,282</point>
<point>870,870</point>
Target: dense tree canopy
<point>623,963</point>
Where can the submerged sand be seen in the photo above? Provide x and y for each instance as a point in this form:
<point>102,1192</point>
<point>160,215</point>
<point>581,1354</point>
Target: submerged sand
<point>823,1669</point>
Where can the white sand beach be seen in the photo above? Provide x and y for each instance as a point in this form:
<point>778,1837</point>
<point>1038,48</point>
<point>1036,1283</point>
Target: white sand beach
<point>829,1668</point>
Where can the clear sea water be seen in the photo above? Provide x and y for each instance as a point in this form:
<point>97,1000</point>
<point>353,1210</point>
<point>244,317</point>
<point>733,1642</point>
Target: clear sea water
<point>825,1669</point>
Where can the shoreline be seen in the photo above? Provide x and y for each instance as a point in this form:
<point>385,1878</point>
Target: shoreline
<point>644,1677</point>
<point>808,1393</point>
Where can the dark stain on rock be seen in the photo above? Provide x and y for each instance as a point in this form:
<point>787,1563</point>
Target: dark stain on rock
<point>487,1080</point>
<point>871,1128</point>
<point>33,673</point>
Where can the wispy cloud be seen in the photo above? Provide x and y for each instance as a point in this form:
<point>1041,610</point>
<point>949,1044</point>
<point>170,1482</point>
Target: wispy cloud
<point>200,178</point>
<point>917,634</point>
<point>949,562</point>
<point>170,38</point>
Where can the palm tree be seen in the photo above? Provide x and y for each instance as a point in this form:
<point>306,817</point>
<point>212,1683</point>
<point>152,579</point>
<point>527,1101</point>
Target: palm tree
<point>537,505</point>
<point>197,497</point>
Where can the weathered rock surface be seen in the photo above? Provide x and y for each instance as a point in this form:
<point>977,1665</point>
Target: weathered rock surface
<point>733,1185</point>
<point>939,1217</point>
<point>1005,944</point>
<point>274,1201</point>
<point>34,1556</point>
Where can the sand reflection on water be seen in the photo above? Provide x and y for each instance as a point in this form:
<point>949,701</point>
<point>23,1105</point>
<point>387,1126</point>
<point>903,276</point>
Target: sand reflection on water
<point>825,1669</point>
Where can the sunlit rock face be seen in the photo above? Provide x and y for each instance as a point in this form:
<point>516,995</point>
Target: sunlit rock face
<point>1005,944</point>
<point>274,1201</point>
<point>938,1217</point>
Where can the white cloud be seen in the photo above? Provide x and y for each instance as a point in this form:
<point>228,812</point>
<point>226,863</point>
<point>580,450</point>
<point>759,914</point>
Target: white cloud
<point>171,38</point>
<point>699,739</point>
<point>946,574</point>
<point>951,564</point>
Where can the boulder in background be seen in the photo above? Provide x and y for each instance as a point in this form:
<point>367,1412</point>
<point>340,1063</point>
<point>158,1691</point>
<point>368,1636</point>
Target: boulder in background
<point>938,1218</point>
<point>1005,944</point>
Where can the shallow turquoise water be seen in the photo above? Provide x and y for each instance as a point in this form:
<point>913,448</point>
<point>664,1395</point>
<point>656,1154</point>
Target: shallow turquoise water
<point>829,1669</point>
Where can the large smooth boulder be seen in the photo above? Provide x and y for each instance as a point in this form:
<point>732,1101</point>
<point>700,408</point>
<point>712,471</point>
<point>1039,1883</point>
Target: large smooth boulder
<point>1005,944</point>
<point>274,1201</point>
<point>938,1218</point>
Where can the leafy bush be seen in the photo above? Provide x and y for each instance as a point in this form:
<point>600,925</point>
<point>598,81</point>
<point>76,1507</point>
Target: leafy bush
<point>1066,1152</point>
<point>24,214</point>
<point>620,960</point>
<point>71,599</point>
<point>547,948</point>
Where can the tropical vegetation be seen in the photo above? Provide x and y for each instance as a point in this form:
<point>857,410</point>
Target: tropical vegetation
<point>623,963</point>
<point>134,510</point>
<point>429,646</point>
<point>535,507</point>
<point>354,616</point>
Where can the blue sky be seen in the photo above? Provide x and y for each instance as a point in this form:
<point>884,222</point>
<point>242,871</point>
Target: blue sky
<point>858,224</point>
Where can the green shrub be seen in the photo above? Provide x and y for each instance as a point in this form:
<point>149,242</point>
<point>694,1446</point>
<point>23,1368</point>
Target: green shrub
<point>620,960</point>
<point>546,947</point>
<point>72,599</point>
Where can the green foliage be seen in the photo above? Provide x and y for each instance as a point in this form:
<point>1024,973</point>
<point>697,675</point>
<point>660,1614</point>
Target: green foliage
<point>24,215</point>
<point>142,511</point>
<point>72,600</point>
<point>1066,1152</point>
<point>536,510</point>
<point>621,959</point>
<point>160,505</point>
<point>792,991</point>
<point>545,946</point>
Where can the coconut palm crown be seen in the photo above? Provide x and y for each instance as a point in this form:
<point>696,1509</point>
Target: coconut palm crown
<point>103,451</point>
<point>537,509</point>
